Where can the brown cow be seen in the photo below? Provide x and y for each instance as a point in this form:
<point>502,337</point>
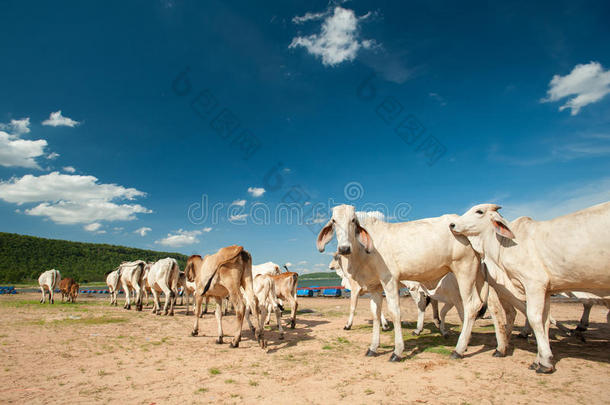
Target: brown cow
<point>65,286</point>
<point>286,290</point>
<point>221,275</point>
<point>74,291</point>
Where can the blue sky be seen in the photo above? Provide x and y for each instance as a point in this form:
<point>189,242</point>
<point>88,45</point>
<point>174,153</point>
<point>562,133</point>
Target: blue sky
<point>120,120</point>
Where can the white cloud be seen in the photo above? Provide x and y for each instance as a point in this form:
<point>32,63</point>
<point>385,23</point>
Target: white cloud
<point>256,191</point>
<point>237,218</point>
<point>72,199</point>
<point>52,155</point>
<point>287,264</point>
<point>180,238</point>
<point>587,84</point>
<point>92,227</point>
<point>142,231</point>
<point>559,201</point>
<point>17,127</point>
<point>208,229</point>
<point>69,169</point>
<point>57,120</point>
<point>338,40</point>
<point>302,262</point>
<point>240,203</point>
<point>370,214</point>
<point>309,17</point>
<point>15,152</point>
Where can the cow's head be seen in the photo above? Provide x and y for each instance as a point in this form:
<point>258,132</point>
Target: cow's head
<point>480,222</point>
<point>344,223</point>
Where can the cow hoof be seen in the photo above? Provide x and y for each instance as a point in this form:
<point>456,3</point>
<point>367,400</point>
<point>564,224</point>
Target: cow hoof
<point>386,328</point>
<point>498,353</point>
<point>394,358</point>
<point>292,324</point>
<point>346,327</point>
<point>234,345</point>
<point>522,336</point>
<point>533,366</point>
<point>194,333</point>
<point>545,370</point>
<point>445,335</point>
<point>263,343</point>
<point>455,355</point>
<point>219,341</point>
<point>171,314</point>
<point>415,333</point>
<point>281,337</point>
<point>370,353</point>
<point>580,329</point>
<point>253,330</point>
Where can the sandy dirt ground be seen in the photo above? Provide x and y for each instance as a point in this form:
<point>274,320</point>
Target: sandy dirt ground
<point>90,352</point>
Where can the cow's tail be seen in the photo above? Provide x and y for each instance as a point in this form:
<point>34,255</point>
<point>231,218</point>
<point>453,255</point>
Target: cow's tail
<point>286,267</point>
<point>54,278</point>
<point>295,282</point>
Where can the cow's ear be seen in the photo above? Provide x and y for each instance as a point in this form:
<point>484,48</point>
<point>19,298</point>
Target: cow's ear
<point>501,227</point>
<point>325,235</point>
<point>364,238</point>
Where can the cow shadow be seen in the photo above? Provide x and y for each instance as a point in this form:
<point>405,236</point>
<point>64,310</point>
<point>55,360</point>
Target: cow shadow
<point>292,337</point>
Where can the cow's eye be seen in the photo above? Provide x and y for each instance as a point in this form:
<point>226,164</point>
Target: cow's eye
<point>479,212</point>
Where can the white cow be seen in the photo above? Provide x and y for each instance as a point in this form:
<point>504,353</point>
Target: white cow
<point>356,290</point>
<point>162,277</point>
<point>188,289</point>
<point>132,279</point>
<point>265,268</point>
<point>446,291</point>
<point>49,280</point>
<point>112,281</point>
<point>382,254</point>
<point>264,289</point>
<point>568,253</point>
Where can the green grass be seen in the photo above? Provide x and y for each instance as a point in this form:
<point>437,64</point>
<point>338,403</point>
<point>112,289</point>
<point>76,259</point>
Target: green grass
<point>327,347</point>
<point>439,350</point>
<point>229,381</point>
<point>214,371</point>
<point>201,390</point>
<point>369,391</point>
<point>253,383</point>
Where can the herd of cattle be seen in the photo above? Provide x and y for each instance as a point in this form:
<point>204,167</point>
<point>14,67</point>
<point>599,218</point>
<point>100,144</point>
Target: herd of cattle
<point>470,262</point>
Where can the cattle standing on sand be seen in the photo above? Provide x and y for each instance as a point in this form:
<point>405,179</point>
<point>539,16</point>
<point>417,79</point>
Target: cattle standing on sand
<point>65,286</point>
<point>285,288</point>
<point>356,290</point>
<point>382,254</point>
<point>162,276</point>
<point>568,253</point>
<point>446,291</point>
<point>49,280</point>
<point>220,275</point>
<point>132,278</point>
<point>264,289</point>
<point>112,281</point>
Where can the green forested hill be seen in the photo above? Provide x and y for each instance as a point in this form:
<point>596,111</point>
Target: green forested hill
<point>23,258</point>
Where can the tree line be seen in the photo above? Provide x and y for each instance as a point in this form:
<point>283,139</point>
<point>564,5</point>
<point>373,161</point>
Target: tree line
<point>23,258</point>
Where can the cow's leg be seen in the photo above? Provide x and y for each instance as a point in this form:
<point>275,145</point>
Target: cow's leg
<point>384,322</point>
<point>52,295</point>
<point>268,319</point>
<point>376,301</point>
<point>207,300</point>
<point>278,317</point>
<point>584,319</point>
<point>127,297</point>
<point>240,307</point>
<point>294,305</point>
<point>198,302</point>
<point>499,317</point>
<point>390,287</point>
<point>188,301</point>
<point>442,327</point>
<point>538,307</point>
<point>252,301</point>
<point>247,316</point>
<point>353,303</point>
<point>44,296</point>
<point>435,314</point>
<point>421,303</point>
<point>466,274</point>
<point>169,298</point>
<point>156,301</point>
<point>138,298</point>
<point>218,313</point>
